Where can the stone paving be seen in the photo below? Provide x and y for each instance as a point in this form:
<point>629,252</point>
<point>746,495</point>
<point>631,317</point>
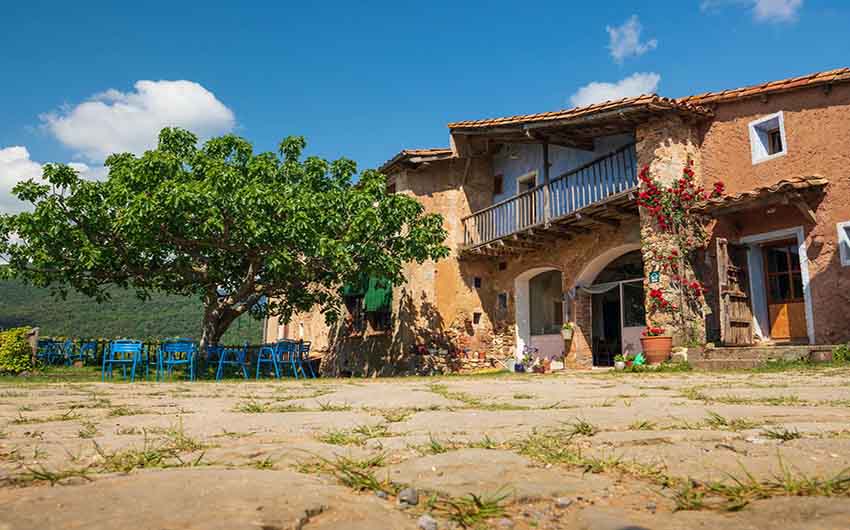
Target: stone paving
<point>591,450</point>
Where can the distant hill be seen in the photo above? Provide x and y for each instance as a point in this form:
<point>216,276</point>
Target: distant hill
<point>123,316</point>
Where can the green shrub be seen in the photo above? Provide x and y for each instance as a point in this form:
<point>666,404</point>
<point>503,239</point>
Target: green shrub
<point>15,351</point>
<point>841,353</point>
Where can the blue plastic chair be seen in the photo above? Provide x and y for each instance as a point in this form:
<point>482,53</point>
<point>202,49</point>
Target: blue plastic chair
<point>87,350</point>
<point>124,353</point>
<point>304,358</point>
<point>233,357</point>
<point>176,352</point>
<point>295,353</point>
<point>269,354</point>
<point>72,353</point>
<point>48,351</point>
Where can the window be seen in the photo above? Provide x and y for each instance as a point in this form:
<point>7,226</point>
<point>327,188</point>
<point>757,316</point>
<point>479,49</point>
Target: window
<point>476,318</point>
<point>498,185</point>
<point>767,138</point>
<point>503,265</point>
<point>774,141</point>
<point>476,281</point>
<point>502,302</point>
<point>844,242</point>
<point>782,272</point>
<point>354,306</point>
<point>526,182</point>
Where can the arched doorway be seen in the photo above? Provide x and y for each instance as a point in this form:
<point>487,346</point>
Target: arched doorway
<point>539,312</point>
<point>617,306</point>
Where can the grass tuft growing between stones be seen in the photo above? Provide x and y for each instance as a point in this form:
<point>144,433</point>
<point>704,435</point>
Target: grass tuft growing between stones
<point>353,473</point>
<point>781,434</point>
<point>471,510</point>
<point>257,407</point>
<point>88,429</point>
<point>735,493</point>
<point>716,421</point>
<point>357,436</point>
<point>642,425</point>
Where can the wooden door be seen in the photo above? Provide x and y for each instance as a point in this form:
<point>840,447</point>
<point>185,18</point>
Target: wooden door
<point>736,316</point>
<point>784,285</point>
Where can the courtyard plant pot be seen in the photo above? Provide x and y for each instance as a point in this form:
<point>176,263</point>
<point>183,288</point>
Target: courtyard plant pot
<point>619,365</point>
<point>567,333</point>
<point>656,350</point>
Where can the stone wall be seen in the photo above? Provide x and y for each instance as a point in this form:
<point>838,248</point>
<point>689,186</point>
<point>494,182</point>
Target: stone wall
<point>666,145</point>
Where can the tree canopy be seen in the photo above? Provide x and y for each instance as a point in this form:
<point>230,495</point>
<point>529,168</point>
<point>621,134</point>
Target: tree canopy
<point>266,233</point>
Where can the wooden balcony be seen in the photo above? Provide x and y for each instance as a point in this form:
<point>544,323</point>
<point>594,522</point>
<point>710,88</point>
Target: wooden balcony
<point>601,191</point>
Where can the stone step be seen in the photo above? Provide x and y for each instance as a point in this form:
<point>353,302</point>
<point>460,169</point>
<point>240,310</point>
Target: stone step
<point>726,364</point>
<point>763,353</point>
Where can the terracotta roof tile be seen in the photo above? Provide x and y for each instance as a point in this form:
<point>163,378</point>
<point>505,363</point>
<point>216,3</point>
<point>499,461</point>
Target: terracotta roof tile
<point>790,184</point>
<point>407,154</point>
<point>817,78</point>
<point>644,99</point>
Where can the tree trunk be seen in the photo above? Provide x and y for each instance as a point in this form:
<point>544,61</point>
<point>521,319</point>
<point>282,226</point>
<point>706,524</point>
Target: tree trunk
<point>217,319</point>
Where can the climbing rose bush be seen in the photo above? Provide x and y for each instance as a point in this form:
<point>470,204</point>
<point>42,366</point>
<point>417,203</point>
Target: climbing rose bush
<point>679,233</point>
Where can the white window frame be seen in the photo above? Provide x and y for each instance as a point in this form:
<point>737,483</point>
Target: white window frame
<point>843,229</point>
<point>759,140</point>
<point>531,175</point>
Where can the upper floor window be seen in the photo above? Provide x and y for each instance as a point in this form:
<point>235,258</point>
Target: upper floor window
<point>844,242</point>
<point>498,184</point>
<point>526,182</point>
<point>767,138</point>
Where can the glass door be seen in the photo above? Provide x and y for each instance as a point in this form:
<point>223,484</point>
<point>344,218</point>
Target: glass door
<point>633,315</point>
<point>784,282</point>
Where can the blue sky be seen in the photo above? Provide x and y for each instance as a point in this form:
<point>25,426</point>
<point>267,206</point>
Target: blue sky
<point>367,79</point>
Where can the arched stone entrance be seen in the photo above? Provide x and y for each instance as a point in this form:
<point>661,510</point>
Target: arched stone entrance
<point>539,312</point>
<point>611,290</point>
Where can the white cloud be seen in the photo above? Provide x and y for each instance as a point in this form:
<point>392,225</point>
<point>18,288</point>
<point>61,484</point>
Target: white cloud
<point>16,166</point>
<point>634,85</point>
<point>763,10</point>
<point>116,122</point>
<point>624,41</point>
<point>777,10</point>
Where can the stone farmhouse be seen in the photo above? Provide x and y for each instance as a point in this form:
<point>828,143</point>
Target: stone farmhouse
<point>544,228</point>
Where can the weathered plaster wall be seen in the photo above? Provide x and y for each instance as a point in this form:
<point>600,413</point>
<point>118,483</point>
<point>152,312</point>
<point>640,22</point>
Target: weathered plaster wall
<point>434,309</point>
<point>516,160</point>
<point>573,258</point>
<point>817,129</point>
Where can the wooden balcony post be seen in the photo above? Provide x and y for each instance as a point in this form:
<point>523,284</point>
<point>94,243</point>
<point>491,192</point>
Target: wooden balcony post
<point>546,208</point>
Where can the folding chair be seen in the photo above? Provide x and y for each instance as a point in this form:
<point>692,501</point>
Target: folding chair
<point>123,353</point>
<point>176,352</point>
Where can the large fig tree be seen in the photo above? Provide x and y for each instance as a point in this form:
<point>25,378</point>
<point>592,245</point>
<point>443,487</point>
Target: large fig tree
<point>262,233</point>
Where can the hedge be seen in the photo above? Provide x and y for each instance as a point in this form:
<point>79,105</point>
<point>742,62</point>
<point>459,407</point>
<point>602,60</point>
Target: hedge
<point>15,351</point>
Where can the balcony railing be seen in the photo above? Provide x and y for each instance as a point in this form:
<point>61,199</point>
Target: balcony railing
<point>570,192</point>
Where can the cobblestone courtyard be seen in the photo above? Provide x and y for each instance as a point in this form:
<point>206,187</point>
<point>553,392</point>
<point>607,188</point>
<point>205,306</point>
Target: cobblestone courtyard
<point>595,451</point>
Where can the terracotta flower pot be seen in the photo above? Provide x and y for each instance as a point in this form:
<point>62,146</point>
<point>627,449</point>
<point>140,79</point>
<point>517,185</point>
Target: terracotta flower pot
<point>656,349</point>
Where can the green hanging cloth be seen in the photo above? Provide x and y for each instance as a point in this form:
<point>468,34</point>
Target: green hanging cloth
<point>357,288</point>
<point>379,295</point>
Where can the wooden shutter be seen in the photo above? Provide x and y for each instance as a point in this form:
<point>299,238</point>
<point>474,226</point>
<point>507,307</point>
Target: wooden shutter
<point>736,316</point>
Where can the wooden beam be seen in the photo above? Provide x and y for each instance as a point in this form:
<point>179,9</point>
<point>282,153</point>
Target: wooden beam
<point>804,207</point>
<point>603,220</point>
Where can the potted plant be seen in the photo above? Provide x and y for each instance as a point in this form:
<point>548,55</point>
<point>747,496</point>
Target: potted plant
<point>656,346</point>
<point>567,331</point>
<point>619,362</point>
